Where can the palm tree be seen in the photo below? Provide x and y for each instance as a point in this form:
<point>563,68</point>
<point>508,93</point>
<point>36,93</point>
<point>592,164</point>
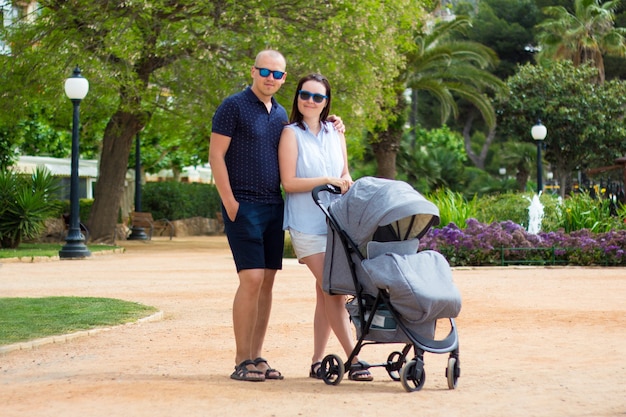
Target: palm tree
<point>449,70</point>
<point>584,36</point>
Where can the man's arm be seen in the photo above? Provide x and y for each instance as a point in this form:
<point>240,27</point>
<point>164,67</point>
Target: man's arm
<point>218,146</point>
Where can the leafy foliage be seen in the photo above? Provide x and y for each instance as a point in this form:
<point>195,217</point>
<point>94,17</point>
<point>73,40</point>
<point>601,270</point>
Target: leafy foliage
<point>509,206</point>
<point>27,201</point>
<point>453,207</point>
<point>433,159</point>
<point>174,201</point>
<point>7,155</point>
<point>450,69</point>
<point>584,35</point>
<point>578,211</point>
<point>506,26</point>
<point>597,215</point>
<point>165,67</point>
<point>580,116</point>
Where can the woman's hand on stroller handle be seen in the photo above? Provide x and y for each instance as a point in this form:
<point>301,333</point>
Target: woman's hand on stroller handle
<point>339,185</point>
<point>326,187</point>
<point>332,188</point>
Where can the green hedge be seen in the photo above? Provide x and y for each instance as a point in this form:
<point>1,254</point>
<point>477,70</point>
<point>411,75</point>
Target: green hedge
<point>176,200</point>
<point>165,200</point>
<point>84,208</point>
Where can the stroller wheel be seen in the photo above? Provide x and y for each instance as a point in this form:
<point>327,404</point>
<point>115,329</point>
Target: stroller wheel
<point>394,364</point>
<point>332,369</point>
<point>453,371</point>
<point>413,376</point>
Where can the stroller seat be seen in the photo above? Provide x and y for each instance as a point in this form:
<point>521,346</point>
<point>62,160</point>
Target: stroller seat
<point>419,285</point>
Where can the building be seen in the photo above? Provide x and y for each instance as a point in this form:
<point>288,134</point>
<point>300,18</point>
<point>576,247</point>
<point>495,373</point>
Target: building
<point>62,168</point>
<point>12,11</point>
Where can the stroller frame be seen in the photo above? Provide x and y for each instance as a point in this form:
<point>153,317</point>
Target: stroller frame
<point>410,373</point>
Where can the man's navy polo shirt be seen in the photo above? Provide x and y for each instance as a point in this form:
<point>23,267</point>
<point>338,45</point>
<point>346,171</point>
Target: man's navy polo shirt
<point>252,156</point>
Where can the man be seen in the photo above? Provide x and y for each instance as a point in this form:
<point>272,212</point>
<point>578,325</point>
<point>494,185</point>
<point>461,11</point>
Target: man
<point>244,159</point>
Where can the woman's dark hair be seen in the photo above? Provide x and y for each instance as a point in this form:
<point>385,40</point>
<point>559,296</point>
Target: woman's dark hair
<point>296,116</point>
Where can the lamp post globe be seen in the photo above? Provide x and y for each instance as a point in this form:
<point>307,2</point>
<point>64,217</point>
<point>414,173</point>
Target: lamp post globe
<point>539,133</point>
<point>76,88</point>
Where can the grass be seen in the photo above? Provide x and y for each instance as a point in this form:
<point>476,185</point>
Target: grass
<point>29,250</point>
<point>453,207</point>
<point>23,319</point>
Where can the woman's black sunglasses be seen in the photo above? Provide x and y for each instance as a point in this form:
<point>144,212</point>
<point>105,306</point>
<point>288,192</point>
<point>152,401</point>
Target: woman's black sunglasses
<point>305,96</point>
<point>264,72</point>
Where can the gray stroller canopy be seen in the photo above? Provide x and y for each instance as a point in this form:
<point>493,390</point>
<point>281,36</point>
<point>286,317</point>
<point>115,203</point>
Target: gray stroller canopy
<point>373,202</point>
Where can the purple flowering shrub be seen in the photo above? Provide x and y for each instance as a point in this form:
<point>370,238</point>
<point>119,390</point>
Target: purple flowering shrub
<point>506,242</point>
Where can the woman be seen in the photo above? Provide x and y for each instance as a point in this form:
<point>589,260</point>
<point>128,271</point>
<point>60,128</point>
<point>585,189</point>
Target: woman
<point>311,153</point>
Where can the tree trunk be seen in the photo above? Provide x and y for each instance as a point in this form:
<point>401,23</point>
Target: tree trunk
<point>116,146</point>
<point>387,142</point>
<point>385,152</point>
<point>477,160</point>
<point>521,177</point>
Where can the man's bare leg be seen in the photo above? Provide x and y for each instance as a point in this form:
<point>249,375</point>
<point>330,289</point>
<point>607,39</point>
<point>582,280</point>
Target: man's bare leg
<point>263,313</point>
<point>246,311</point>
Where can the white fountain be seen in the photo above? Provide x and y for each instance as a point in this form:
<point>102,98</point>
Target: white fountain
<point>535,215</point>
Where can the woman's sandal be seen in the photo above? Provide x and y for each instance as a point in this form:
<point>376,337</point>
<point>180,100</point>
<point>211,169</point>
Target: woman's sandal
<point>316,370</point>
<point>270,373</point>
<point>242,373</point>
<point>358,372</point>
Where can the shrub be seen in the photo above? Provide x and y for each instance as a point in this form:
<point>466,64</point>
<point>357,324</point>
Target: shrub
<point>508,206</point>
<point>583,211</point>
<point>84,208</point>
<point>491,244</point>
<point>578,211</point>
<point>453,207</point>
<point>176,200</point>
<point>26,203</point>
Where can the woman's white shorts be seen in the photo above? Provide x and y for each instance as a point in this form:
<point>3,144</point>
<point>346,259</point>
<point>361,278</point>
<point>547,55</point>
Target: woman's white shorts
<point>305,244</point>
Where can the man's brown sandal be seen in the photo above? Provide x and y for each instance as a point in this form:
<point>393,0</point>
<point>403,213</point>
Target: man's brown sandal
<point>242,373</point>
<point>270,373</point>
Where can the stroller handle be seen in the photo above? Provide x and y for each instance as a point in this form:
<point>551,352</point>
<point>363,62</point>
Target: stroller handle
<point>326,187</point>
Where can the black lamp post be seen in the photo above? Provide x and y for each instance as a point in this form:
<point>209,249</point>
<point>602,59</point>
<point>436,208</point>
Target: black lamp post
<point>137,233</point>
<point>76,88</point>
<point>539,133</point>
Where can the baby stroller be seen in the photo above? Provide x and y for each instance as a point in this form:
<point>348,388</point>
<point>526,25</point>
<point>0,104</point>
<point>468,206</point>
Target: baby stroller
<point>396,294</point>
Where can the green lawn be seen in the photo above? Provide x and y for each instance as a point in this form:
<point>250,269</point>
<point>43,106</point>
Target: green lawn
<point>29,250</point>
<point>23,319</point>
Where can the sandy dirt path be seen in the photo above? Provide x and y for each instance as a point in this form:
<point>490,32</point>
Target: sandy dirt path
<point>533,342</point>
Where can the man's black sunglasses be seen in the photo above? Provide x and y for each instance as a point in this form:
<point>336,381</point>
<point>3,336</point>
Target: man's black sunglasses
<point>264,72</point>
<point>305,96</point>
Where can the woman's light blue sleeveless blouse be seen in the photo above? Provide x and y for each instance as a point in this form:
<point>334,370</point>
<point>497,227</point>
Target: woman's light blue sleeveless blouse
<point>318,156</point>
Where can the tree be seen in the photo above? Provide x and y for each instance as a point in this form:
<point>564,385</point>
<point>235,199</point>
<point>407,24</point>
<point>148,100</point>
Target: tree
<point>585,121</point>
<point>520,156</point>
<point>448,70</point>
<point>434,159</point>
<point>7,155</point>
<point>582,36</point>
<point>451,70</point>
<point>505,26</point>
<point>169,63</point>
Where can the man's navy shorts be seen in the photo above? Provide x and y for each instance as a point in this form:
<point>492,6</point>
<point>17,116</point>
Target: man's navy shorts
<point>256,237</point>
